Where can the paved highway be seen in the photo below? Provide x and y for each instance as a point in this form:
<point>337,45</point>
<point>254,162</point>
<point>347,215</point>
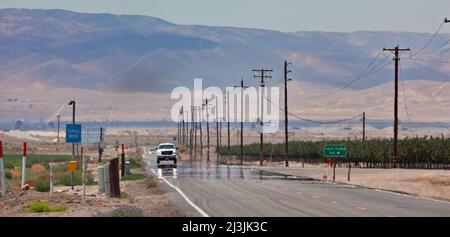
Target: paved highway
<point>208,189</point>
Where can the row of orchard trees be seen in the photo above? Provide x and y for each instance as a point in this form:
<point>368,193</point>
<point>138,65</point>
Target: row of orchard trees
<point>418,152</point>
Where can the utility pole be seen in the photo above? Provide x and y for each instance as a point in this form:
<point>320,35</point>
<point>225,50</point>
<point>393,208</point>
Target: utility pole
<point>72,102</point>
<point>58,116</point>
<point>201,132</point>
<point>195,131</point>
<point>241,153</point>
<point>286,139</point>
<point>228,125</point>
<point>364,126</point>
<point>262,76</point>
<point>217,129</point>
<point>191,131</point>
<point>178,126</point>
<point>182,125</point>
<point>207,129</point>
<point>396,51</point>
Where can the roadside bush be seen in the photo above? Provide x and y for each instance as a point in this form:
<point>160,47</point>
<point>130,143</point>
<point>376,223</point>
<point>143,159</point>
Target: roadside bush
<point>133,177</point>
<point>8,174</point>
<point>135,163</point>
<point>123,211</point>
<point>64,179</point>
<point>39,206</point>
<point>42,185</point>
<point>9,166</point>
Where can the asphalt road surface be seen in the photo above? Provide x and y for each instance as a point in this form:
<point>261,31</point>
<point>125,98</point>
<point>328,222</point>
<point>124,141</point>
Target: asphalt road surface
<point>208,189</point>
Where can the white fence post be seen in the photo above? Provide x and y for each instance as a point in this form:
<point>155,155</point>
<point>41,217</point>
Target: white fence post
<point>51,178</point>
<point>24,163</point>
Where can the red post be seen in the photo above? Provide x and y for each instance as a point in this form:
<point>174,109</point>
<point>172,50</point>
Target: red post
<point>24,148</point>
<point>1,150</point>
<point>24,161</point>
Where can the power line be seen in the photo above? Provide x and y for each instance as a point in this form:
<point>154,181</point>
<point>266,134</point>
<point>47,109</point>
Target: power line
<point>429,54</point>
<point>367,72</point>
<point>315,121</point>
<point>404,93</point>
<point>429,41</point>
<point>428,60</point>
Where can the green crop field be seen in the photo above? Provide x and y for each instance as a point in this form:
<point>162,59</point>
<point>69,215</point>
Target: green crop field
<point>425,152</point>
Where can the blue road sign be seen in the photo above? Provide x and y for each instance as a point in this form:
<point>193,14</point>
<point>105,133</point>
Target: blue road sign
<point>73,133</point>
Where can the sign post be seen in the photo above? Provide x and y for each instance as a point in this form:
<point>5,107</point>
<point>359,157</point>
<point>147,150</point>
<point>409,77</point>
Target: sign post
<point>73,135</point>
<point>334,151</point>
<point>72,167</point>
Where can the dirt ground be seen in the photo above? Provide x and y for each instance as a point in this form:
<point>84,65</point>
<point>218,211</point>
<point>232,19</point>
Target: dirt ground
<point>144,194</point>
<point>423,183</point>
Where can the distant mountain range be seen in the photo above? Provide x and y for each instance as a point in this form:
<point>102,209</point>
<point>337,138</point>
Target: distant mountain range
<point>128,53</point>
<point>123,67</point>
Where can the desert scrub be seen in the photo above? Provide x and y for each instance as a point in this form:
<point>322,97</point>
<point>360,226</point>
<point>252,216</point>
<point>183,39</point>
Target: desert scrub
<point>38,206</point>
<point>64,179</point>
<point>123,211</point>
<point>133,177</point>
<point>8,174</point>
<point>135,163</point>
<point>42,185</point>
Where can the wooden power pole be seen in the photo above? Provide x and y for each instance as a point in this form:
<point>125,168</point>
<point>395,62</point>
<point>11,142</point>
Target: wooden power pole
<point>201,132</point>
<point>262,76</point>
<point>286,138</point>
<point>396,51</point>
<point>241,153</point>
<point>207,130</point>
<point>228,126</point>
<point>217,128</point>
<point>364,126</point>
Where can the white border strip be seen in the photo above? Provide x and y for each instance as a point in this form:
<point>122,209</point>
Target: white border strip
<point>184,196</point>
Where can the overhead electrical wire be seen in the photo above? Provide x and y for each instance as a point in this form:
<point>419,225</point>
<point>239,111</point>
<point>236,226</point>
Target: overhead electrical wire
<point>314,121</point>
<point>404,94</point>
<point>430,54</point>
<point>429,41</point>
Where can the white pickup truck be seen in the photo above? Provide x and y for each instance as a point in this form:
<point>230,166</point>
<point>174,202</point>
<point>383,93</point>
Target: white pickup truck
<point>166,152</point>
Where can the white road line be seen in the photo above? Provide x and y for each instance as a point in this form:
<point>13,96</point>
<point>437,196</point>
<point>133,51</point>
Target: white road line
<point>184,196</point>
<point>411,196</point>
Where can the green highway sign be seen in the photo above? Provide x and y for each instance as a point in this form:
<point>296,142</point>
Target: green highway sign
<point>335,151</point>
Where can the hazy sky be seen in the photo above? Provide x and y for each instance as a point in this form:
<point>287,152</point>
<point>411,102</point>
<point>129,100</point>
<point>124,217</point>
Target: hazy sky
<point>283,15</point>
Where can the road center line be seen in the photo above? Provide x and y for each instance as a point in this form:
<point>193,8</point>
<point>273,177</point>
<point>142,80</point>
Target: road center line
<point>184,196</point>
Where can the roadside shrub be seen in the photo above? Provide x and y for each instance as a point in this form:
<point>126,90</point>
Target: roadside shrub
<point>133,177</point>
<point>42,185</point>
<point>123,211</point>
<point>64,179</point>
<point>8,174</point>
<point>135,163</point>
<point>9,166</point>
<point>37,168</point>
<point>38,206</point>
